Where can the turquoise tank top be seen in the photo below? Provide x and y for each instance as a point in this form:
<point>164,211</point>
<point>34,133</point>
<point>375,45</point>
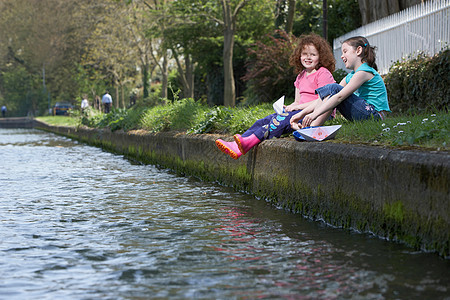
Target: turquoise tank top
<point>373,90</point>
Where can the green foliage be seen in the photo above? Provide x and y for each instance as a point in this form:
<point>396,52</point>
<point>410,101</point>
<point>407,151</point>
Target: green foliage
<point>269,74</point>
<point>59,120</point>
<point>187,115</point>
<point>179,115</point>
<point>230,120</point>
<point>215,120</point>
<point>339,74</point>
<point>424,130</point>
<point>433,130</point>
<point>243,118</point>
<point>308,17</point>
<point>343,17</point>
<point>419,84</point>
<point>174,85</point>
<point>23,92</point>
<point>125,119</point>
<point>203,37</point>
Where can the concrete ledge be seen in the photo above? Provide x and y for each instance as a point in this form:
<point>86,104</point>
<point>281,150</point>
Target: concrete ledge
<point>18,122</point>
<point>398,195</point>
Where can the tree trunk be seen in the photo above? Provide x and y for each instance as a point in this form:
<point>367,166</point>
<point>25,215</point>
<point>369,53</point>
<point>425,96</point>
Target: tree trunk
<point>123,95</point>
<point>372,11</point>
<point>117,95</point>
<point>164,74</point>
<point>290,16</point>
<point>189,89</point>
<point>325,19</point>
<point>145,80</point>
<point>229,86</point>
<point>186,74</point>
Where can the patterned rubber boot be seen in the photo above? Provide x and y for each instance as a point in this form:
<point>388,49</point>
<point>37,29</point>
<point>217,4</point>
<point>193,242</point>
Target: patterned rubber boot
<point>229,148</point>
<point>246,143</point>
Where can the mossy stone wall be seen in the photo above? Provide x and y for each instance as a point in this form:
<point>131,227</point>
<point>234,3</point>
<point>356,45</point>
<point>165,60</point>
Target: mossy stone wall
<point>399,195</point>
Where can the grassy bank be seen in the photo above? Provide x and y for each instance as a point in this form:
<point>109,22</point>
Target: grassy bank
<point>428,131</point>
<point>60,120</point>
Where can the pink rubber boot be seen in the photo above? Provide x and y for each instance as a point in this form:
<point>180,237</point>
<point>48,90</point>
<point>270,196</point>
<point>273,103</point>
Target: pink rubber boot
<point>246,143</point>
<point>229,148</point>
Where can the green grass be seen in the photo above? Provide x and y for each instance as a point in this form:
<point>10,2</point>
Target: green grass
<point>421,131</point>
<point>427,131</point>
<point>60,120</point>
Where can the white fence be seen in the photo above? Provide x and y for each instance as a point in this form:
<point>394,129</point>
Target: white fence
<point>420,28</point>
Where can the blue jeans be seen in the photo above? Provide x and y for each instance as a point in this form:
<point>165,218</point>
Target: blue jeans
<point>353,108</point>
<point>273,125</point>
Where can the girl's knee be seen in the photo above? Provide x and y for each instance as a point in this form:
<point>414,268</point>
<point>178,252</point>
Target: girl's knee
<point>329,90</point>
<point>335,87</point>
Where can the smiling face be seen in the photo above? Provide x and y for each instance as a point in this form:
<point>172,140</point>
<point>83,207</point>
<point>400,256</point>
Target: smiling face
<point>309,58</point>
<point>350,56</point>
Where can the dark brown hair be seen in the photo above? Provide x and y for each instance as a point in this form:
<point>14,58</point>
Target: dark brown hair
<point>326,57</point>
<point>368,51</point>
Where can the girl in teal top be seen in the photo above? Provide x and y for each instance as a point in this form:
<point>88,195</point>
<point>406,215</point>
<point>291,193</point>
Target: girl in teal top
<point>361,95</point>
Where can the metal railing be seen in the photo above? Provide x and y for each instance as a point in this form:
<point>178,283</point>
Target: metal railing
<point>420,28</point>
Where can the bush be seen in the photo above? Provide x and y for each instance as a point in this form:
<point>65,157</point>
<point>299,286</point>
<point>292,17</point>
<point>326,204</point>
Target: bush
<point>179,115</point>
<point>269,74</point>
<point>419,84</point>
<point>230,120</point>
<point>126,119</point>
<point>339,74</point>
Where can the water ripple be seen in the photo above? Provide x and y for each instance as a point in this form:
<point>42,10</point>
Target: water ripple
<point>80,223</point>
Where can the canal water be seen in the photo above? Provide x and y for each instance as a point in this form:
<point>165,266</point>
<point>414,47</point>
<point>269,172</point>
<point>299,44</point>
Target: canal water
<point>80,223</point>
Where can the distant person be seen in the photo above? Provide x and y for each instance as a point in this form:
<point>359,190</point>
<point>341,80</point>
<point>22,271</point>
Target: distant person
<point>107,102</point>
<point>84,104</point>
<point>4,111</point>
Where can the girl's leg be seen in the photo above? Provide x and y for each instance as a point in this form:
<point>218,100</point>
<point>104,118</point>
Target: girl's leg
<point>321,119</point>
<point>280,125</point>
<point>353,107</point>
<point>248,138</point>
<point>273,126</point>
<point>258,124</point>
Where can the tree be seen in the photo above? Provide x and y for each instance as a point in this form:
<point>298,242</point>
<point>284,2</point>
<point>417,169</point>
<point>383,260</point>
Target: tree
<point>227,17</point>
<point>375,10</point>
<point>108,47</point>
<point>290,16</point>
<point>38,36</point>
<point>269,73</point>
<point>157,22</point>
<point>138,27</point>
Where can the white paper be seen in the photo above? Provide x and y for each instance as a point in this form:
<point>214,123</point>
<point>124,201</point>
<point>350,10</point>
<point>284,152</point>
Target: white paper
<point>320,133</point>
<point>278,106</point>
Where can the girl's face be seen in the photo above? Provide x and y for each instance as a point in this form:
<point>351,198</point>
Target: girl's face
<point>309,57</point>
<point>350,56</point>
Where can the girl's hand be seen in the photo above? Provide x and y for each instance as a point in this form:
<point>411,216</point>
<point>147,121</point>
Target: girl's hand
<point>291,107</point>
<point>295,119</point>
<point>308,119</point>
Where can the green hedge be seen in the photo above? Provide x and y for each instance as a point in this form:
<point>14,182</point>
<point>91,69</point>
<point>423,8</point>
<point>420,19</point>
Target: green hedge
<point>419,84</point>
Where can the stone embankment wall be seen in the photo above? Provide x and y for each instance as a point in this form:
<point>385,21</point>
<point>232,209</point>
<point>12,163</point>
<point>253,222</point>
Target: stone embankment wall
<point>398,195</point>
<point>21,122</point>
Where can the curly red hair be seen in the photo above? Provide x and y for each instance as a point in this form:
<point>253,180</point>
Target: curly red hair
<point>326,57</point>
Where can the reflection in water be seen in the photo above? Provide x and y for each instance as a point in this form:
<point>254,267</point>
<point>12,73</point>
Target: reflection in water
<point>79,223</point>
